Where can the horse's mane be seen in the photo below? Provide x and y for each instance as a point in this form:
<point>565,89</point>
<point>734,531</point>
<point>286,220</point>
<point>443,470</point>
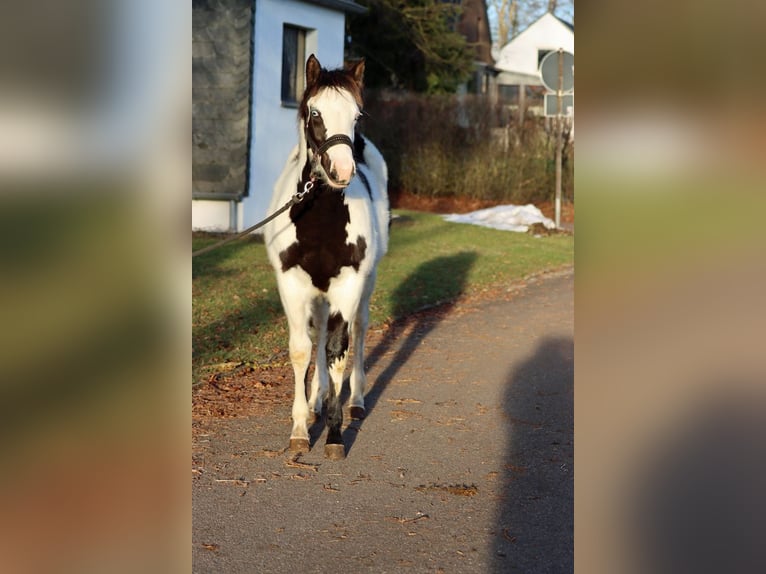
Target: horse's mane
<point>334,79</point>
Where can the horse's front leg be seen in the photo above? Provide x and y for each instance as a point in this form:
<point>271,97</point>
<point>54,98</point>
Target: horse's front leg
<point>300,356</point>
<point>336,351</point>
<point>296,302</point>
<point>319,382</point>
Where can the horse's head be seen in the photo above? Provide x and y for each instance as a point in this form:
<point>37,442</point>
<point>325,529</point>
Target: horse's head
<point>329,110</point>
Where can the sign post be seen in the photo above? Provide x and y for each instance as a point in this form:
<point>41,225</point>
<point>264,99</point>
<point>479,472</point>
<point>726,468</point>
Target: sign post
<point>557,72</point>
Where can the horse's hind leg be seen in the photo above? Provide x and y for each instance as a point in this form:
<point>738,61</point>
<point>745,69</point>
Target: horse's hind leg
<point>359,331</point>
<point>337,353</point>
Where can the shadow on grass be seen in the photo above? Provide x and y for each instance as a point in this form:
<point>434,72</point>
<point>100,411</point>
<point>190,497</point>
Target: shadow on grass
<point>218,339</point>
<point>448,276</point>
<point>212,262</point>
<point>214,341</point>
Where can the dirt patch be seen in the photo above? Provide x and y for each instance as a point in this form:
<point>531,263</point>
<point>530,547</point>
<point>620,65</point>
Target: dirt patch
<point>467,205</point>
<point>456,489</point>
<point>239,391</point>
<point>549,210</point>
<point>439,204</point>
<point>538,230</point>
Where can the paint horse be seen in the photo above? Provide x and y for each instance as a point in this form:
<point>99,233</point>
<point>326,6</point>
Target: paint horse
<point>325,249</point>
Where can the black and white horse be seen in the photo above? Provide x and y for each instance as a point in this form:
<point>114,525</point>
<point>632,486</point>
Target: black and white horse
<point>326,248</point>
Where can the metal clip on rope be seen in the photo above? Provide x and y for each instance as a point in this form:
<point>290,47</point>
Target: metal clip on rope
<point>295,199</point>
<point>299,195</point>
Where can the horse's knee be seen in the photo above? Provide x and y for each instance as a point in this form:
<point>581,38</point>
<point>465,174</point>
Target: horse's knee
<point>300,350</point>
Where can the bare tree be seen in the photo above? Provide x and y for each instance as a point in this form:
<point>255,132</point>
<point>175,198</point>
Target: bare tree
<point>513,16</point>
<point>506,12</point>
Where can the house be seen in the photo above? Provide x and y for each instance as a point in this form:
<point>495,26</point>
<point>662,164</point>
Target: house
<point>247,61</point>
<point>474,27</point>
<point>518,62</point>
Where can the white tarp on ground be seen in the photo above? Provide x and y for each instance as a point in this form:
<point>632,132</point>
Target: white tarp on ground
<point>505,217</point>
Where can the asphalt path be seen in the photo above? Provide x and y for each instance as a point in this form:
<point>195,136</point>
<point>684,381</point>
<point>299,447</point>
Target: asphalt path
<point>463,464</point>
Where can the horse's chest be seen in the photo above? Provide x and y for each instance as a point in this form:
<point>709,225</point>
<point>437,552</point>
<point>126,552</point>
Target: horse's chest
<point>322,246</point>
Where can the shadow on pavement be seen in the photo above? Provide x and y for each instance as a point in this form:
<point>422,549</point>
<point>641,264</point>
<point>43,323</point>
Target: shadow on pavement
<point>453,270</point>
<point>535,518</point>
<point>697,504</point>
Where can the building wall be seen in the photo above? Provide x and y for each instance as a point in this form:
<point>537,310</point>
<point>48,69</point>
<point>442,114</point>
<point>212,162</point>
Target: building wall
<point>221,34</point>
<point>211,215</point>
<point>223,80</point>
<point>474,26</point>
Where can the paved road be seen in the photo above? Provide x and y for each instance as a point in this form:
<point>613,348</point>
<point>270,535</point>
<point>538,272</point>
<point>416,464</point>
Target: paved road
<point>464,463</point>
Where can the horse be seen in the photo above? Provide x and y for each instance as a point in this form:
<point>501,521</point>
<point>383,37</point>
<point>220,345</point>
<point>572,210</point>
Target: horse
<point>325,250</point>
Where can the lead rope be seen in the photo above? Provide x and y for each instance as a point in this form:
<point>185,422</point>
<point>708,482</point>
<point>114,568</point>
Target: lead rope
<point>296,198</point>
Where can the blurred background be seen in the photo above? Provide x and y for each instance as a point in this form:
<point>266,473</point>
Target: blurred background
<point>671,276</point>
<point>94,296</point>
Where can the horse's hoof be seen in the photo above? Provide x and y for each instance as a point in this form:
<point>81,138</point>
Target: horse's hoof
<point>335,451</point>
<point>357,413</point>
<point>299,445</point>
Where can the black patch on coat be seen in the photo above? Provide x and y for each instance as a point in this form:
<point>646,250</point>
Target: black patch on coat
<point>316,134</point>
<point>336,348</point>
<point>337,338</point>
<point>315,129</point>
<point>334,417</point>
<point>321,248</point>
<point>359,145</point>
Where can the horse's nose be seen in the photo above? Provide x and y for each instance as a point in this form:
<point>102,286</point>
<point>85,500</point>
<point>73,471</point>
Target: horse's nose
<point>343,170</point>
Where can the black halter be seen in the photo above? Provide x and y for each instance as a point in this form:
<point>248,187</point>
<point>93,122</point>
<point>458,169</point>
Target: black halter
<point>329,142</point>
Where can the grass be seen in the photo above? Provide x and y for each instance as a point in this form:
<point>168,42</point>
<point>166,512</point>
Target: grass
<point>237,315</point>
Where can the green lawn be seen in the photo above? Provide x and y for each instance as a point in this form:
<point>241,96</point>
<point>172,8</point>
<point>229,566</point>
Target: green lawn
<point>237,316</point>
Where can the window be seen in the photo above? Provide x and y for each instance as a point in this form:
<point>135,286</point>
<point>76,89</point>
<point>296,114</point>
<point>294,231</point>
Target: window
<point>509,94</point>
<point>540,55</point>
<point>293,64</point>
<point>534,96</point>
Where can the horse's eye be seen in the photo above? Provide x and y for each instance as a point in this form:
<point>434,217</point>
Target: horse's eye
<point>314,113</point>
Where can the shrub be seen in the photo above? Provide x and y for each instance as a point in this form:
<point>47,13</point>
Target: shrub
<point>446,145</point>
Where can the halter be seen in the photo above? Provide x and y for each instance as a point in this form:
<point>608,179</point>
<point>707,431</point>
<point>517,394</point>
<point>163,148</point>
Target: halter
<point>328,143</point>
<point>319,151</point>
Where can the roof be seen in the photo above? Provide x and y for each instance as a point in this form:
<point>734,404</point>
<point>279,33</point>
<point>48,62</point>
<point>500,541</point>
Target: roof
<point>343,5</point>
<point>567,24</point>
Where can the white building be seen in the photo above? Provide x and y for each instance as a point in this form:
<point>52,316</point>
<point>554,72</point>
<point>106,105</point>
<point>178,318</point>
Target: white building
<point>239,148</point>
<point>518,62</point>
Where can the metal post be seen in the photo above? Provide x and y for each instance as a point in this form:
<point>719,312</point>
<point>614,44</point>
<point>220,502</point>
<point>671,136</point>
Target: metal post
<point>559,94</point>
<point>522,105</point>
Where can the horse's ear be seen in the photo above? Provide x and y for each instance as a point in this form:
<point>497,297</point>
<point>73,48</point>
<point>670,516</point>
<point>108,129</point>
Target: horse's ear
<point>357,71</point>
<point>312,70</point>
